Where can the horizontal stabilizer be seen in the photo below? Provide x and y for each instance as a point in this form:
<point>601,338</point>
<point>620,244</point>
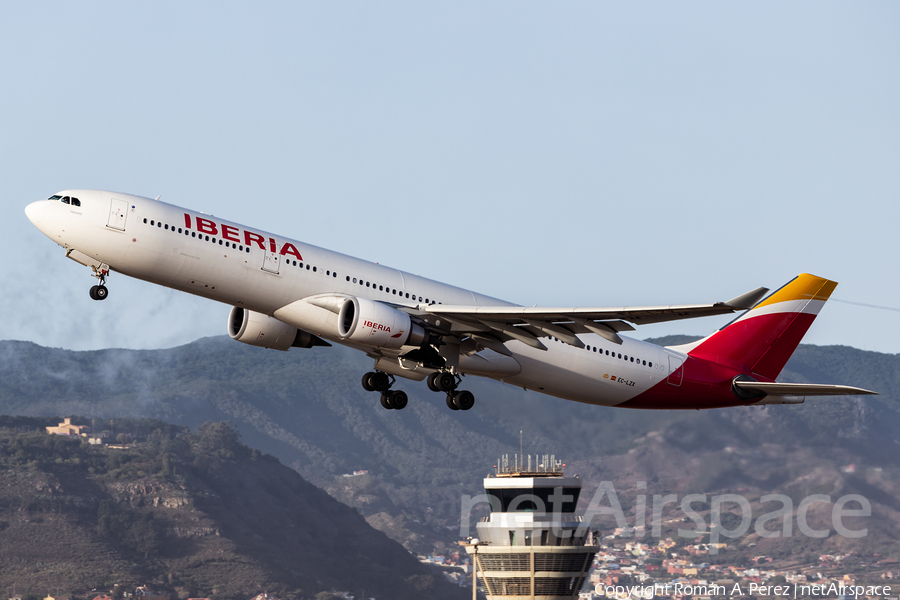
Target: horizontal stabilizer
<point>801,389</point>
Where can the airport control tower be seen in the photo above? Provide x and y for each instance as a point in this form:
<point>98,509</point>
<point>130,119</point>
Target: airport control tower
<point>533,546</point>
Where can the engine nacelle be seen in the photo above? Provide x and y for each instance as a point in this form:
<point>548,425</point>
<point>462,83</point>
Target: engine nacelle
<point>375,324</point>
<point>262,330</point>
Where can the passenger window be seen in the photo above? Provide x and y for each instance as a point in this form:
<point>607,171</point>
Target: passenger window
<point>380,288</point>
<point>354,280</point>
<point>645,363</point>
<point>152,222</point>
<point>327,272</point>
<point>632,359</point>
<point>367,284</point>
<point>650,365</point>
<point>314,269</point>
<point>145,220</point>
<point>348,278</point>
<point>426,300</point>
<point>76,202</point>
<point>335,275</point>
<point>620,356</point>
<point>407,294</point>
<point>167,226</point>
<point>179,230</point>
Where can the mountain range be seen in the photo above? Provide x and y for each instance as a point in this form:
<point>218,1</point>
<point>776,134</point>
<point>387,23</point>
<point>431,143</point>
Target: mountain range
<point>307,408</point>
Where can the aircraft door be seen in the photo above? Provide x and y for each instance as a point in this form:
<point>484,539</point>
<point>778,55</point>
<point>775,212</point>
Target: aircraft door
<point>118,211</point>
<point>271,261</point>
<point>676,372</point>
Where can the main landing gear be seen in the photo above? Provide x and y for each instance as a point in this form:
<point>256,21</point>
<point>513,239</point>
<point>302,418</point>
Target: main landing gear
<point>444,381</point>
<point>376,381</point>
<point>99,292</point>
<point>440,381</point>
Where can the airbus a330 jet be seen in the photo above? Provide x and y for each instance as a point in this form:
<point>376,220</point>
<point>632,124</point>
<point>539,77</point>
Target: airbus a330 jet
<point>285,294</point>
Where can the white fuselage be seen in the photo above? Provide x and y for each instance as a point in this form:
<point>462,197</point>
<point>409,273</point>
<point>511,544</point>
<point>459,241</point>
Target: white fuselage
<point>239,266</point>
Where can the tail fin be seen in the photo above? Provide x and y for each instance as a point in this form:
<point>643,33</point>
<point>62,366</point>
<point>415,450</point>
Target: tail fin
<point>763,338</point>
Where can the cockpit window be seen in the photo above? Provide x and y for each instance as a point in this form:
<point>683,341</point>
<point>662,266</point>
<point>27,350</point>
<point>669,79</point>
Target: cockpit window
<point>54,198</point>
<point>65,200</point>
<point>76,202</point>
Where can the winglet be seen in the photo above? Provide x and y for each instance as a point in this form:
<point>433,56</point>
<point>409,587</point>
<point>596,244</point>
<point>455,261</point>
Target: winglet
<point>749,299</point>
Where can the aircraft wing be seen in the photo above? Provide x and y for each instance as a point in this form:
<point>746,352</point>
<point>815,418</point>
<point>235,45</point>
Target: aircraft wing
<point>802,389</point>
<point>526,324</point>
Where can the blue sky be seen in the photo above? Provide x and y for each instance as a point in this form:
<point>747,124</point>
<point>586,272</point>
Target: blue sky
<point>584,154</point>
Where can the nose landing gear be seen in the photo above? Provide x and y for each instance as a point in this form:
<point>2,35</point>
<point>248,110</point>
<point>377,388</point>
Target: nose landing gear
<point>99,292</point>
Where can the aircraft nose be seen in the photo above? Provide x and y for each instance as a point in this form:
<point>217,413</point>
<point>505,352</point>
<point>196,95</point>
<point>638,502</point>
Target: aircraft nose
<point>33,212</point>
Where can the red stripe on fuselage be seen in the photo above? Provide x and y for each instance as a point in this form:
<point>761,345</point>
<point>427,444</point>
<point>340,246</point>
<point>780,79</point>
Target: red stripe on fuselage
<point>704,384</point>
<point>758,346</point>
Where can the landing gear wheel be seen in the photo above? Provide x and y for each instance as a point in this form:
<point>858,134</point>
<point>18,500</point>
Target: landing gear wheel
<point>432,383</point>
<point>367,382</point>
<point>446,382</point>
<point>398,399</point>
<point>464,399</point>
<point>101,292</point>
<point>94,292</point>
<point>386,402</point>
<point>380,381</point>
<point>451,404</point>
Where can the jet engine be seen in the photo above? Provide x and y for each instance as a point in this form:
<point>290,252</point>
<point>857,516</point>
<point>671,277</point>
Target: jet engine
<point>375,324</point>
<point>258,329</point>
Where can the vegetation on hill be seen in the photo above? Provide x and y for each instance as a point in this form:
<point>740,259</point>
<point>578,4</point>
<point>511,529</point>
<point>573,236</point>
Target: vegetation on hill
<point>196,513</point>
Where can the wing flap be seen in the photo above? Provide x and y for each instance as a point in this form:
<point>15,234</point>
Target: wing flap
<point>527,323</point>
<point>633,314</point>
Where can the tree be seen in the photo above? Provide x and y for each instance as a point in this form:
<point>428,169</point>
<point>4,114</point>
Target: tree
<point>221,440</point>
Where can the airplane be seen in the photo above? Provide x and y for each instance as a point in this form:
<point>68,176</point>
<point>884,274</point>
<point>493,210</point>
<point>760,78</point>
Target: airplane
<point>285,294</point>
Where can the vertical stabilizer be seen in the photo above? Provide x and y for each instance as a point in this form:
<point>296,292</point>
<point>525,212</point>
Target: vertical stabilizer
<point>762,339</point>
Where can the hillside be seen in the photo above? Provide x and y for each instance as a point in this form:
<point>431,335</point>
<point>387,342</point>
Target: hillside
<point>197,514</point>
<point>307,408</point>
